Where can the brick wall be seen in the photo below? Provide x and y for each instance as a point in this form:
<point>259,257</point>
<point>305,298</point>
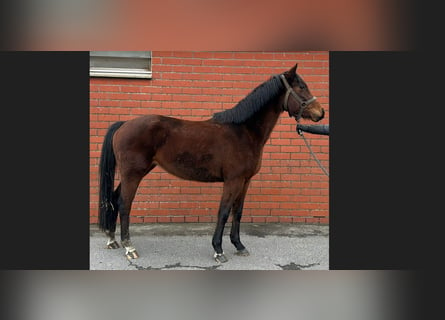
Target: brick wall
<point>290,186</point>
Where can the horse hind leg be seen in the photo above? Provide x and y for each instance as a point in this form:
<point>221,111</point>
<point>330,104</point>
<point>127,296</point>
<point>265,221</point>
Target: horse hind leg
<point>129,183</point>
<point>112,243</point>
<point>129,187</point>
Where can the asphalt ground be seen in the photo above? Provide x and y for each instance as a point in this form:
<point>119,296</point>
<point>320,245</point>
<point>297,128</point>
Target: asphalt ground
<point>187,246</point>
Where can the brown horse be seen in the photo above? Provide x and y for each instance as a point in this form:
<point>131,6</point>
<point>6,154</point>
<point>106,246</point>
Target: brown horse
<point>226,148</point>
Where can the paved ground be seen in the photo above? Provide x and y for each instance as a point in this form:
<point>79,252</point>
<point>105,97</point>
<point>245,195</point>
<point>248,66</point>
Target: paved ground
<point>188,247</point>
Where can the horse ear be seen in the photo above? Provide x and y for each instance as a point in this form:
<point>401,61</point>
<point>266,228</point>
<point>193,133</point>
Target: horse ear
<point>290,74</point>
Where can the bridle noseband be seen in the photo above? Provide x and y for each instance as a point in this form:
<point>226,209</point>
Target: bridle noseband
<point>291,91</point>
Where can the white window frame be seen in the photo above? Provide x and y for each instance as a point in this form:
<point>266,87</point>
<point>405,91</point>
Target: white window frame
<point>121,64</point>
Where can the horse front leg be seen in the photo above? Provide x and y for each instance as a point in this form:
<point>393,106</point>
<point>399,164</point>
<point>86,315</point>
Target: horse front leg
<point>237,211</point>
<point>231,191</point>
<point>223,215</point>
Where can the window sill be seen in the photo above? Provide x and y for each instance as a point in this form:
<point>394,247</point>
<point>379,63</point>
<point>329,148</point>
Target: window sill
<point>120,73</point>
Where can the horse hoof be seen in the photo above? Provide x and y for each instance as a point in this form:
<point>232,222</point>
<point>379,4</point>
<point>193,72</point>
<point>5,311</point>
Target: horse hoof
<point>132,255</point>
<point>113,245</point>
<point>220,257</point>
<point>243,253</point>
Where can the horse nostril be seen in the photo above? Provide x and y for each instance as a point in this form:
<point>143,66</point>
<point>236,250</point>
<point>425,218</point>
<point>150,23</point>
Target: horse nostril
<point>320,116</point>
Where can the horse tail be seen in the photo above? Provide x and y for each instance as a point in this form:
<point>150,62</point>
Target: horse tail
<point>107,166</point>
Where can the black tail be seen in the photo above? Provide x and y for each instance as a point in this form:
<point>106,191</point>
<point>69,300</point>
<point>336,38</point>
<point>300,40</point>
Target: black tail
<point>107,165</point>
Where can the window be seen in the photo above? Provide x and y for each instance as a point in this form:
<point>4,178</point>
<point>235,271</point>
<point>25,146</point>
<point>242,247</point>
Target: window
<point>121,64</point>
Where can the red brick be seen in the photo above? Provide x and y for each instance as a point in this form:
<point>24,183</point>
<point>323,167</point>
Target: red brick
<point>191,219</point>
<point>205,219</point>
<point>203,54</point>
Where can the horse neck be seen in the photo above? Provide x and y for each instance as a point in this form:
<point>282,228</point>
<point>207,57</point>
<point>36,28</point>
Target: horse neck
<point>263,123</point>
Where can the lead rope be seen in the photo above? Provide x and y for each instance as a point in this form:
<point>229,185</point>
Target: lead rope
<point>312,153</point>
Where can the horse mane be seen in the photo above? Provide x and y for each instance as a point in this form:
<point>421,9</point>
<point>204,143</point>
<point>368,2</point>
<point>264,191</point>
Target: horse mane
<point>252,103</point>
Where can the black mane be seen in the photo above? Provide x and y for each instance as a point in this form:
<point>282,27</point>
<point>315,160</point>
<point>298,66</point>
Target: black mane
<point>252,103</point>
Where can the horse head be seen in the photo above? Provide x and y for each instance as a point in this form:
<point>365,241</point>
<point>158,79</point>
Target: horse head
<point>298,100</point>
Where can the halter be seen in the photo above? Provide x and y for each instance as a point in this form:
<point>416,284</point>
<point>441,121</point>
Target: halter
<point>291,91</point>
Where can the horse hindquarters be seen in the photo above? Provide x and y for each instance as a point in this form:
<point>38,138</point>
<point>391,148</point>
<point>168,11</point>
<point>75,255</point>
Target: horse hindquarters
<point>134,161</point>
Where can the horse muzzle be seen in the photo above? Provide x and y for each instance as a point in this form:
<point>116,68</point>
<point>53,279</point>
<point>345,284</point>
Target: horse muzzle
<point>314,114</point>
<point>317,118</point>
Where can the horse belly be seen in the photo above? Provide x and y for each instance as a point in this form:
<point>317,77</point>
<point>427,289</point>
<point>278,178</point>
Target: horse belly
<point>198,167</point>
